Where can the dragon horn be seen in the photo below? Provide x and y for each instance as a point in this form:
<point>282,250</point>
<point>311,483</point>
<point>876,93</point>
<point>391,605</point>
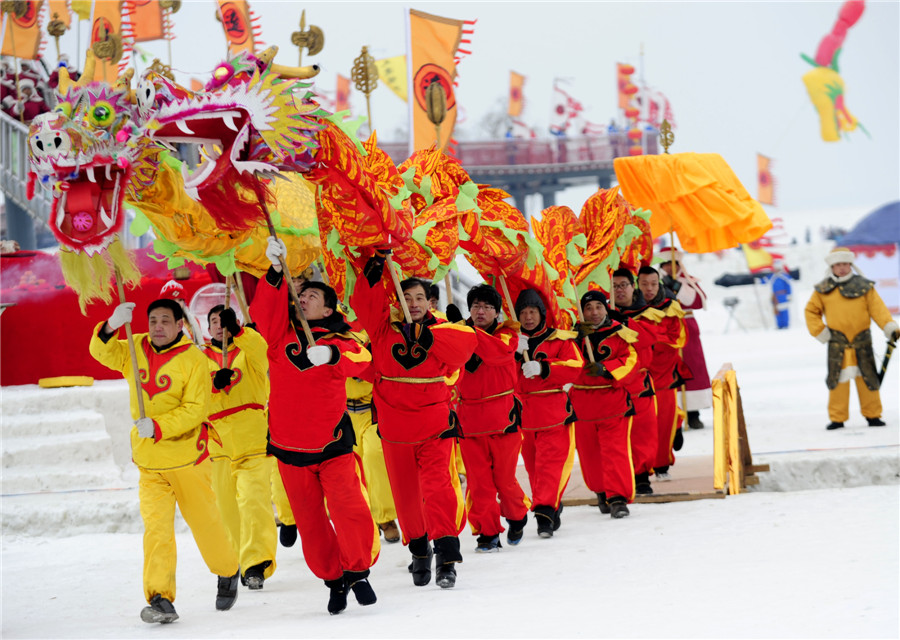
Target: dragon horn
<point>268,55</point>
<point>90,62</point>
<point>301,73</point>
<point>123,83</point>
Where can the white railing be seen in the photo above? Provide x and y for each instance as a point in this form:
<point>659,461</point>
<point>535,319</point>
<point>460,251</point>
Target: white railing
<point>14,169</point>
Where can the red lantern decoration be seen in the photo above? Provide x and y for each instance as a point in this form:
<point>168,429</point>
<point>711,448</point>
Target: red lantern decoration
<point>635,134</point>
<point>632,112</point>
<point>630,89</point>
<point>635,151</point>
<point>626,69</point>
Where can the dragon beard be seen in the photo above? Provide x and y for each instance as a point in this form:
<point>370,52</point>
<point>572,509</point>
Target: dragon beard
<point>237,201</point>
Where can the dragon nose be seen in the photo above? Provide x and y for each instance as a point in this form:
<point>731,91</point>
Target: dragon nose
<point>50,143</point>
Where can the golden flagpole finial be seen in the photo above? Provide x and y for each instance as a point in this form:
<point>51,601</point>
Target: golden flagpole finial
<point>312,39</point>
<point>666,137</point>
<point>365,78</point>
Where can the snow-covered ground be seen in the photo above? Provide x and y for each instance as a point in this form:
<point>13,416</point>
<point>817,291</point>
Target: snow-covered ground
<point>813,551</point>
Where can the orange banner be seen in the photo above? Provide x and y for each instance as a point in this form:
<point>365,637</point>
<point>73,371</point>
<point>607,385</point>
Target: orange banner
<point>433,41</point>
<point>22,36</point>
<point>765,181</point>
<point>623,80</point>
<point>516,94</point>
<point>108,16</point>
<point>61,9</point>
<point>342,97</point>
<point>146,20</point>
<point>235,16</point>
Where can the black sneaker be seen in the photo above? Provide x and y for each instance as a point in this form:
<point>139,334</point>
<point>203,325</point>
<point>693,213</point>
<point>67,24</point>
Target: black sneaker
<point>364,593</point>
<point>618,507</point>
<point>420,568</point>
<point>226,596</point>
<point>255,577</point>
<point>876,422</point>
<point>602,503</point>
<point>544,524</point>
<point>678,441</point>
<point>488,544</point>
<point>446,575</point>
<point>288,535</point>
<point>516,530</point>
<point>642,484</point>
<point>693,420</point>
<point>337,598</point>
<point>835,425</point>
<point>160,610</point>
<point>557,521</point>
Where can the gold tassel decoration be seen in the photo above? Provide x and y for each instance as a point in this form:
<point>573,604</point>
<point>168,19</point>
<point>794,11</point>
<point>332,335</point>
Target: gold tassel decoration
<point>90,276</point>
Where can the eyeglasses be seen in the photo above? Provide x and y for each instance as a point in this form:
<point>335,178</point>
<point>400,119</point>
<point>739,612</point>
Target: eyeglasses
<point>622,285</point>
<point>481,307</point>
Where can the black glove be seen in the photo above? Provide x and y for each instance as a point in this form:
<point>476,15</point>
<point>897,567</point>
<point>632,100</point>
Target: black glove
<point>412,331</point>
<point>895,336</point>
<point>374,268</point>
<point>597,369</point>
<point>222,378</point>
<point>671,283</point>
<point>228,320</point>
<point>453,313</point>
<point>583,329</point>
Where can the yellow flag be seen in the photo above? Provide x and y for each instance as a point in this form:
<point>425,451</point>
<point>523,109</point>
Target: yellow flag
<point>237,23</point>
<point>108,20</point>
<point>82,8</point>
<point>516,95</point>
<point>60,8</point>
<point>22,37</point>
<point>757,259</point>
<point>433,44</point>
<point>392,72</point>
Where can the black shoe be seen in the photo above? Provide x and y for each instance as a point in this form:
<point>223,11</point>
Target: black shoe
<point>228,590</point>
<point>835,425</point>
<point>678,441</point>
<point>488,544</point>
<point>516,530</point>
<point>255,576</point>
<point>545,518</point>
<point>557,521</point>
<point>602,503</point>
<point>420,567</point>
<point>446,575</point>
<point>618,507</point>
<point>642,484</point>
<point>160,610</point>
<point>693,419</point>
<point>876,422</point>
<point>337,598</point>
<point>288,535</point>
<point>364,593</point>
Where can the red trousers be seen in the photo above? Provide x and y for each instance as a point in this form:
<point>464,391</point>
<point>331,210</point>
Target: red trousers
<point>491,471</point>
<point>549,455</point>
<point>353,543</point>
<point>425,484</point>
<point>644,434</point>
<point>666,421</point>
<point>604,451</point>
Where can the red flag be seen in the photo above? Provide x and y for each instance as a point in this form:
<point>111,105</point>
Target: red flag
<point>516,94</point>
<point>342,98</point>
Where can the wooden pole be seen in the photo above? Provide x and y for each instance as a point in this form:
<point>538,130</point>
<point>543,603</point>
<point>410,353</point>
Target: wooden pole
<point>581,318</point>
<point>512,309</point>
<point>224,337</point>
<point>139,390</point>
<point>449,289</point>
<point>241,296</point>
<point>389,263</point>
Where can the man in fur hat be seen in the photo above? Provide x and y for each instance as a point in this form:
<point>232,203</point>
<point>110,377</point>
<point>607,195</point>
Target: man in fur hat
<point>849,303</point>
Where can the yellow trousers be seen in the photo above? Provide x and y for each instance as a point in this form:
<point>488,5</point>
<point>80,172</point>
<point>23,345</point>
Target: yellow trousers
<point>839,401</point>
<point>191,489</point>
<point>279,495</point>
<point>242,493</point>
<point>368,448</point>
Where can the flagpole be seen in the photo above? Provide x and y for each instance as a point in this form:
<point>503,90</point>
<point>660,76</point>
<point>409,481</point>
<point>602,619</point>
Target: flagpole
<point>410,90</point>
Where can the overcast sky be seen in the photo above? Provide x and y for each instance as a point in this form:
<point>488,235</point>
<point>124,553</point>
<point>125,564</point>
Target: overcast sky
<point>732,71</point>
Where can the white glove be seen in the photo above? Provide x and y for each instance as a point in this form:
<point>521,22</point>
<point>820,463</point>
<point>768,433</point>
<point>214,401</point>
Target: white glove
<point>145,428</point>
<point>275,249</point>
<point>319,355</point>
<point>531,369</point>
<point>523,343</point>
<point>825,336</point>
<point>121,315</point>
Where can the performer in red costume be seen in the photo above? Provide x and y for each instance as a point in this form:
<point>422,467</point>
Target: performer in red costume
<point>630,307</point>
<point>548,445</point>
<point>311,434</point>
<point>489,416</point>
<point>412,362</point>
<point>667,368</point>
<point>603,405</point>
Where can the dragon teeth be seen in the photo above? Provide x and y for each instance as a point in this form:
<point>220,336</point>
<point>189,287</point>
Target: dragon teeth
<point>229,122</point>
<point>90,174</point>
<point>182,126</point>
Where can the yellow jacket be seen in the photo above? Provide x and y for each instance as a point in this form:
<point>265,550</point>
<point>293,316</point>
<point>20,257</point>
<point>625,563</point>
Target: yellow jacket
<point>176,396</point>
<point>359,391</point>
<point>850,316</point>
<point>238,412</point>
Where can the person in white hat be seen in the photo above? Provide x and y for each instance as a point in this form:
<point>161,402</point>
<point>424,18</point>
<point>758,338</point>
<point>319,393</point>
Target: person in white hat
<point>849,303</point>
<point>780,281</point>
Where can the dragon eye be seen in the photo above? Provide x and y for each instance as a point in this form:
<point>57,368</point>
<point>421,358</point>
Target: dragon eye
<point>223,72</point>
<point>64,108</point>
<point>102,114</point>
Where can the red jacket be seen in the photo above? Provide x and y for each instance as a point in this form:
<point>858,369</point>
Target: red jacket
<point>641,385</point>
<point>411,392</point>
<point>307,404</point>
<point>606,396</point>
<point>544,402</point>
<point>487,400</point>
<point>667,321</point>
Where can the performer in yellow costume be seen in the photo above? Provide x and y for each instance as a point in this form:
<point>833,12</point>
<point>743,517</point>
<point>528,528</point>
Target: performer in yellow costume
<point>368,448</point>
<point>241,471</point>
<point>849,303</point>
<point>170,448</point>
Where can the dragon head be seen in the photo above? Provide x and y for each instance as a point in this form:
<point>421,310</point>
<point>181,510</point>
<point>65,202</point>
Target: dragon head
<point>254,117</point>
<point>83,151</point>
